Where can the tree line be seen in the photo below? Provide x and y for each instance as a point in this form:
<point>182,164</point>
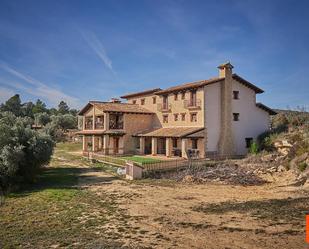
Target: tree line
<point>23,149</point>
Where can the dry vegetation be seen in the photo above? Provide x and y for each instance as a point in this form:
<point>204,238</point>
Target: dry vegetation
<point>76,204</point>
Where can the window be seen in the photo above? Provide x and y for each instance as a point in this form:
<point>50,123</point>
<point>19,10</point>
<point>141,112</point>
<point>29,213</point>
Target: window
<point>183,95</point>
<point>176,96</point>
<point>115,121</point>
<point>176,117</point>
<point>165,118</point>
<point>88,123</point>
<point>134,101</point>
<point>174,142</point>
<point>249,141</point>
<point>194,144</point>
<point>183,117</point>
<point>165,102</point>
<point>235,94</point>
<point>154,100</point>
<point>192,98</point>
<point>142,101</point>
<point>99,122</point>
<point>193,117</point>
<point>236,116</point>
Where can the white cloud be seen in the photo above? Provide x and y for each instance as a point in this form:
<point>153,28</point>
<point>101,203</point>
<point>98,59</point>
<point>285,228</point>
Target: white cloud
<point>98,48</point>
<point>38,88</point>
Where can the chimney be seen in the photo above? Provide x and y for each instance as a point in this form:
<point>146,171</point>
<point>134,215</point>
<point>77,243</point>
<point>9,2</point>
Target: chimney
<point>226,145</point>
<point>115,100</point>
<point>225,70</point>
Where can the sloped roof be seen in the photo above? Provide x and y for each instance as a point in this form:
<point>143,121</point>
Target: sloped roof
<point>100,132</point>
<point>171,132</point>
<point>266,108</point>
<point>200,83</point>
<point>247,83</point>
<point>189,85</point>
<point>132,95</point>
<point>115,107</point>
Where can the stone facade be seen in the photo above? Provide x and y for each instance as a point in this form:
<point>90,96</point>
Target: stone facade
<point>207,107</point>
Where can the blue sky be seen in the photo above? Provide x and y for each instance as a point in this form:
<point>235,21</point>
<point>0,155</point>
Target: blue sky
<point>95,50</point>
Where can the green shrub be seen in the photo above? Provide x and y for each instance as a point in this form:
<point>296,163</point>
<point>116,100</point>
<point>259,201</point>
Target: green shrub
<point>254,149</point>
<point>302,166</point>
<point>22,151</point>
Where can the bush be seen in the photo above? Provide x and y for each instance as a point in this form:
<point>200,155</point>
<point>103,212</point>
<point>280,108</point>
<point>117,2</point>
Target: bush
<point>22,151</point>
<point>302,166</point>
<point>254,149</point>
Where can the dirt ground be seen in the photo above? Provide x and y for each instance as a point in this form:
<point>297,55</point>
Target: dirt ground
<point>168,214</point>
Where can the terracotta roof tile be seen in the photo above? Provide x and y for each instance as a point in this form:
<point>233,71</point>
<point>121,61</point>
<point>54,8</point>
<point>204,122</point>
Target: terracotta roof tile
<point>115,107</point>
<point>132,95</point>
<point>189,85</point>
<point>266,108</point>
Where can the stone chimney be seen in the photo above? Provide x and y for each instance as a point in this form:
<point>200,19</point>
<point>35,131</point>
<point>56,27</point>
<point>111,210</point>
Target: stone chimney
<point>115,100</point>
<point>226,145</point>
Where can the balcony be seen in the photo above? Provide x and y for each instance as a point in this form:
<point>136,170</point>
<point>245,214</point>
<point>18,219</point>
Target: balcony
<point>164,107</point>
<point>116,122</point>
<point>88,123</point>
<point>192,104</point>
<point>99,125</point>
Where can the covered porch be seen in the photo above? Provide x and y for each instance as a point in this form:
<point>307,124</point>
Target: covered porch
<point>103,142</point>
<point>184,142</point>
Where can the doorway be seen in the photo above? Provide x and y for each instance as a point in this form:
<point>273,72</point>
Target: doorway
<point>161,146</point>
<point>116,145</point>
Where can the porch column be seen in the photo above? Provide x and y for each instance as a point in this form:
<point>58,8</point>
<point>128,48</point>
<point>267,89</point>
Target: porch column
<point>184,147</point>
<point>154,146</point>
<point>84,122</point>
<point>84,143</point>
<point>100,143</point>
<point>168,146</point>
<point>93,143</point>
<point>106,121</point>
<point>93,118</point>
<point>106,144</point>
<point>142,145</point>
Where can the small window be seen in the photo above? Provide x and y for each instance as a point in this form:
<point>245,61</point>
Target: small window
<point>235,94</point>
<point>236,116</point>
<point>249,141</point>
<point>183,95</point>
<point>176,96</point>
<point>183,117</point>
<point>154,100</point>
<point>194,144</point>
<point>174,142</point>
<point>176,117</point>
<point>165,118</point>
<point>193,117</point>
<point>134,101</point>
<point>142,101</point>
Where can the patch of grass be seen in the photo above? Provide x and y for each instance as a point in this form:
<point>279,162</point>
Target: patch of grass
<point>302,166</point>
<point>69,147</point>
<point>141,159</point>
<point>288,210</point>
<point>56,212</point>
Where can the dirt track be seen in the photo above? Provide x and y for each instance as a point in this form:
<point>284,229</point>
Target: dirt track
<point>177,215</point>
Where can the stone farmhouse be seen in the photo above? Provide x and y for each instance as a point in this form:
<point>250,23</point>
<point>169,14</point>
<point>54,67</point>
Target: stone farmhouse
<point>218,116</point>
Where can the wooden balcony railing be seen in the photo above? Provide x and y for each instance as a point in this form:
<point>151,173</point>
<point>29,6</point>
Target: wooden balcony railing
<point>189,104</point>
<point>164,107</point>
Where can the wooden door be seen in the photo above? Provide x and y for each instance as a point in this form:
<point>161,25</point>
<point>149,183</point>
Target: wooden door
<point>116,145</point>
